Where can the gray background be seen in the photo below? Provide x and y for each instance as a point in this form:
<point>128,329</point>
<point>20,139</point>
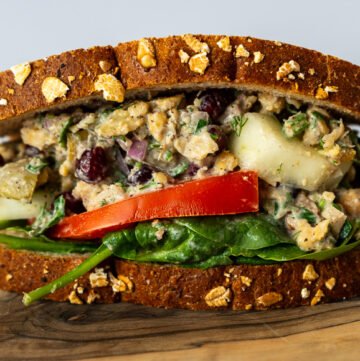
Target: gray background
<point>32,29</point>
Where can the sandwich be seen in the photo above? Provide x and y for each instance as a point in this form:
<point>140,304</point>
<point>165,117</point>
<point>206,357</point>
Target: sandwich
<point>196,172</point>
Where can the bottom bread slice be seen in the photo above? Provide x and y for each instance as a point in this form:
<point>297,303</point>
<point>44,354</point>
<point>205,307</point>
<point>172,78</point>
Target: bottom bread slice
<point>237,287</point>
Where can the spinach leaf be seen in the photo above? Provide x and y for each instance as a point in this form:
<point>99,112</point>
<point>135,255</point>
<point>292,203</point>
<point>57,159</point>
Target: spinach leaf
<point>48,218</point>
<point>200,242</point>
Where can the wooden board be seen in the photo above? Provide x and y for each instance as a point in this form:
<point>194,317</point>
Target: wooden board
<point>55,331</point>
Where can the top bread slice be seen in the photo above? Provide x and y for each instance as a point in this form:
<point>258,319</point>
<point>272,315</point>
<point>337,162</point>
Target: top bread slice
<point>180,62</point>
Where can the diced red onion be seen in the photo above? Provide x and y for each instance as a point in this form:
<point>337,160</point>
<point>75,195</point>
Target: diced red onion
<point>138,150</point>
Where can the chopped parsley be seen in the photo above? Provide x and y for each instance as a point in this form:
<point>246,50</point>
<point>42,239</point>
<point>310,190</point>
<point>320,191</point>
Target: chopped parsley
<point>295,125</point>
<point>179,169</point>
<point>153,144</point>
<point>36,165</point>
<point>168,156</point>
<point>64,131</point>
<point>200,125</point>
<point>308,215</point>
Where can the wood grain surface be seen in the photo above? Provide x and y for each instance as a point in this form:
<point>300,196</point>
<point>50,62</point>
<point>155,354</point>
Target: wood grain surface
<point>58,331</point>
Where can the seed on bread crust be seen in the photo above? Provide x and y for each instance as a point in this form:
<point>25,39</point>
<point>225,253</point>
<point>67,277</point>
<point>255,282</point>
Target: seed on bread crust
<point>241,52</point>
<point>305,293</point>
<point>111,87</point>
<point>21,72</point>
<point>74,299</point>
<point>309,273</point>
<point>129,284</point>
<point>321,94</point>
<point>317,298</point>
<point>121,283</point>
<point>9,277</point>
<point>246,281</point>
<point>258,57</point>
<point>330,283</point>
<point>195,44</point>
<point>287,68</point>
<point>92,296</point>
<point>224,44</point>
<point>104,65</point>
<point>53,88</point>
<point>3,102</point>
<point>184,56</point>
<point>269,299</point>
<point>98,278</point>
<point>146,53</point>
<point>218,297</point>
<point>198,63</point>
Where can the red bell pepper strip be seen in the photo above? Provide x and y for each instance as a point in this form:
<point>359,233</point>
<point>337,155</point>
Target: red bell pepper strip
<point>232,193</point>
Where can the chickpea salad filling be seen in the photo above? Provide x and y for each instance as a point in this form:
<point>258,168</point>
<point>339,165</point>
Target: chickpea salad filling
<point>77,161</point>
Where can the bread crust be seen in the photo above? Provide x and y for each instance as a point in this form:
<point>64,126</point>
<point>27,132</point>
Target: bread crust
<point>170,286</point>
<point>224,70</point>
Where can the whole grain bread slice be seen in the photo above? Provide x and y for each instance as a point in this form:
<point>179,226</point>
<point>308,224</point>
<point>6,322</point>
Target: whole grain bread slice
<point>179,62</point>
<point>237,287</point>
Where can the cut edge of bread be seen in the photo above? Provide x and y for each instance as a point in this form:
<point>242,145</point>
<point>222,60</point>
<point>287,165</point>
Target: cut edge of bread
<point>320,79</point>
<point>236,287</point>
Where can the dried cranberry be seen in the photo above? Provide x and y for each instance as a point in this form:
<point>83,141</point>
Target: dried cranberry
<point>218,136</point>
<point>72,204</point>
<point>2,161</point>
<point>31,151</point>
<point>141,176</point>
<point>92,165</point>
<point>214,102</point>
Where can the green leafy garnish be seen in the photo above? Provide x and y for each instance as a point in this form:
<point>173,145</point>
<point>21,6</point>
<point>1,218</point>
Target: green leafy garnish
<point>346,232</point>
<point>200,124</point>
<point>64,131</point>
<point>148,185</point>
<point>154,144</point>
<point>179,169</point>
<point>295,125</point>
<point>237,123</point>
<point>168,156</point>
<point>48,218</point>
<point>44,244</point>
<point>200,242</point>
<point>36,165</point>
<point>318,115</point>
<point>308,215</point>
